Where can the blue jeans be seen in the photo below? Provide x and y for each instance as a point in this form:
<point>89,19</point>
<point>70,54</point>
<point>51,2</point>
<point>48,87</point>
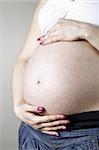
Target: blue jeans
<point>82,139</point>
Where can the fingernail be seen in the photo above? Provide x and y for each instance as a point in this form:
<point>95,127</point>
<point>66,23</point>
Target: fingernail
<point>40,109</point>
<point>38,39</point>
<point>63,127</point>
<point>63,116</point>
<point>41,43</point>
<point>69,121</point>
<point>66,122</point>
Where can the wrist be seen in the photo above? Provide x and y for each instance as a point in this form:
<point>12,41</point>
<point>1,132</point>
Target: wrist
<point>19,103</point>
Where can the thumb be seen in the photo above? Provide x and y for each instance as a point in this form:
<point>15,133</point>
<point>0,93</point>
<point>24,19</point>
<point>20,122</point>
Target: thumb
<point>36,109</point>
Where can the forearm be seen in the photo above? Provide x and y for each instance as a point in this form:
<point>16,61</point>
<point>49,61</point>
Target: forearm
<point>91,34</point>
<point>17,82</point>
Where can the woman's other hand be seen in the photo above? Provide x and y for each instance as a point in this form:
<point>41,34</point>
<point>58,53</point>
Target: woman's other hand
<point>72,30</point>
<point>49,124</point>
<point>64,30</point>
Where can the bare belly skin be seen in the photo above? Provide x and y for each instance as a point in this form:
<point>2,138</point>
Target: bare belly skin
<point>63,77</point>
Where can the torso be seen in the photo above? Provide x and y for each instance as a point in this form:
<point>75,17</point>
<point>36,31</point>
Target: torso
<point>63,77</point>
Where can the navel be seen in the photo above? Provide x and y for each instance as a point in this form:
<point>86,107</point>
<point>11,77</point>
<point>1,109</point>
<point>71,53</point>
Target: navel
<point>38,82</point>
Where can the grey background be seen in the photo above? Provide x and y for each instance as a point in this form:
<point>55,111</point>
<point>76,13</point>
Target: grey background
<point>15,19</point>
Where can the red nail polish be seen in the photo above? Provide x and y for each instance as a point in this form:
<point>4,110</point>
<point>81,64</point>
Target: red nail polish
<point>38,39</point>
<point>41,43</point>
<point>40,109</point>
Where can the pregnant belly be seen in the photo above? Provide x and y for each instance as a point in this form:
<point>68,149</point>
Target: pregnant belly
<point>63,77</point>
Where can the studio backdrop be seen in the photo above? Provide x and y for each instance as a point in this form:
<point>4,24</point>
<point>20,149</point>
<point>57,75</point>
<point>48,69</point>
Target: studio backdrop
<point>15,20</point>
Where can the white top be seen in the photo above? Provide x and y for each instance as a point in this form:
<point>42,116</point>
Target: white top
<point>81,10</point>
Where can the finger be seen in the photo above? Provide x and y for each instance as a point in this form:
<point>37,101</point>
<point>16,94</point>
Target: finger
<point>54,123</point>
<point>51,32</point>
<point>30,119</point>
<point>52,39</point>
<point>42,119</point>
<point>31,108</point>
<point>53,128</point>
<point>47,118</point>
<point>51,133</point>
<point>53,29</point>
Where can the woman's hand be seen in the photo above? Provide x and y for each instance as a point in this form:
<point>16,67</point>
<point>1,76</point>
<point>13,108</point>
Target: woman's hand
<point>71,30</point>
<point>64,30</point>
<point>46,123</point>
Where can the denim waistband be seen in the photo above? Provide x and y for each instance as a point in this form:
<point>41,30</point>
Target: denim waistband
<point>64,137</point>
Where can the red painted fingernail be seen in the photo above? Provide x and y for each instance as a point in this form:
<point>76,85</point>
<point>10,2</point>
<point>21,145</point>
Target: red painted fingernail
<point>41,109</point>
<point>41,43</point>
<point>38,39</point>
